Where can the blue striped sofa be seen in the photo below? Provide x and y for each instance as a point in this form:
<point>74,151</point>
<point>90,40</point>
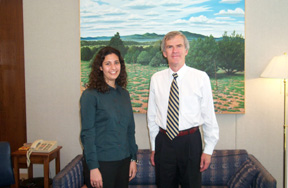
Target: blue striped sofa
<point>228,168</point>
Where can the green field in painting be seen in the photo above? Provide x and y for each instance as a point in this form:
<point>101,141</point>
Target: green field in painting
<point>228,91</point>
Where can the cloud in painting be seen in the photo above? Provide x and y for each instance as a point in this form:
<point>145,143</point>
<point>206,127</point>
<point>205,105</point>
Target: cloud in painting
<point>230,1</point>
<point>101,2</point>
<point>140,5</point>
<point>237,12</point>
<point>200,20</point>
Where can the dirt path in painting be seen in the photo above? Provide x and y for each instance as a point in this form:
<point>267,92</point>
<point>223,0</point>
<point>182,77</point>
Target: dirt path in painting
<point>143,108</point>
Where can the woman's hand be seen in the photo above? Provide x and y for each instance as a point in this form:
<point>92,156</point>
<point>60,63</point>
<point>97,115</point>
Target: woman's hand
<point>96,178</point>
<point>132,170</point>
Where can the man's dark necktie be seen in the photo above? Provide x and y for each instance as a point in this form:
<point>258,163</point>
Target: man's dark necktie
<point>173,110</point>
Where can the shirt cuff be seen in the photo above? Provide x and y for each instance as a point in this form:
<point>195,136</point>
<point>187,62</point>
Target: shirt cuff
<point>92,165</point>
<point>208,150</point>
<point>133,157</point>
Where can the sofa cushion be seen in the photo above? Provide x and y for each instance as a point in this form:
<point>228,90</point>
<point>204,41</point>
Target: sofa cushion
<point>244,176</point>
<point>224,163</point>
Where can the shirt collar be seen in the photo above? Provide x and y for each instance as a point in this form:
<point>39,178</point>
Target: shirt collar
<point>181,72</point>
<point>118,88</point>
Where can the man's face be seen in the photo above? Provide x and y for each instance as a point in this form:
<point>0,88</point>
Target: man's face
<point>175,52</point>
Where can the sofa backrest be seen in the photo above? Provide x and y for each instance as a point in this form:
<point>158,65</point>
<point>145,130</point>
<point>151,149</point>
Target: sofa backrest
<point>224,164</point>
<point>71,175</point>
<point>145,171</point>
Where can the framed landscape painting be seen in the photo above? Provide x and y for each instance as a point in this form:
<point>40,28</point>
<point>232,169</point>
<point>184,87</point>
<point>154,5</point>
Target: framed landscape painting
<point>214,28</point>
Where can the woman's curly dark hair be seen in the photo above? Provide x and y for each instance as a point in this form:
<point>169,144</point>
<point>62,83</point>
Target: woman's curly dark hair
<point>96,77</point>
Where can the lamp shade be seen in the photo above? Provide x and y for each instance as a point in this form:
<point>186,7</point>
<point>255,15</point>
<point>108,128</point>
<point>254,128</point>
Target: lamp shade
<point>277,68</point>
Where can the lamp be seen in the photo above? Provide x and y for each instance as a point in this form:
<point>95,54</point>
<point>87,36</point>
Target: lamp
<point>278,68</point>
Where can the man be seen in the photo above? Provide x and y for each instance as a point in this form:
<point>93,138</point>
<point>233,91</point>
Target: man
<point>176,141</point>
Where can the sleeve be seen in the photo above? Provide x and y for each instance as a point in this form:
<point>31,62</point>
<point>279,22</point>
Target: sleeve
<point>88,105</point>
<point>210,125</point>
<point>151,115</point>
<point>131,134</point>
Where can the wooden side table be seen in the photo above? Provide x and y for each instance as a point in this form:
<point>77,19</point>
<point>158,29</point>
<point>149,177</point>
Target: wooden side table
<point>20,161</point>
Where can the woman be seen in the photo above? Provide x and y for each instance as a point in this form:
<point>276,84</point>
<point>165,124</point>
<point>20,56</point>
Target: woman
<point>108,128</point>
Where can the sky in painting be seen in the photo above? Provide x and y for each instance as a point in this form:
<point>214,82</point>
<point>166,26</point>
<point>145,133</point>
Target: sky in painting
<point>206,17</point>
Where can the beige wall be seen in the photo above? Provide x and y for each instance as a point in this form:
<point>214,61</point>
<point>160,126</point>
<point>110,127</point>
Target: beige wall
<point>52,68</point>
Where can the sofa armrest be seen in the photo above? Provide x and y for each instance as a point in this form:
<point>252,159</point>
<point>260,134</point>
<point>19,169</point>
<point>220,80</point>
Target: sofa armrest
<point>145,171</point>
<point>71,175</point>
<point>224,163</point>
<point>264,179</point>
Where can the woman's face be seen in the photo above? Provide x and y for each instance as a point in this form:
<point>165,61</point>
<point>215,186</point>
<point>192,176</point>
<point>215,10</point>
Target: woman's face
<point>111,68</point>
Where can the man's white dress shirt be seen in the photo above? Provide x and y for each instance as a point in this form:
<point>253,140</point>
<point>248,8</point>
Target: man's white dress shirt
<point>196,105</point>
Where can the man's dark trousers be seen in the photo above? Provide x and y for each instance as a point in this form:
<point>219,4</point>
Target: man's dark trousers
<point>177,162</point>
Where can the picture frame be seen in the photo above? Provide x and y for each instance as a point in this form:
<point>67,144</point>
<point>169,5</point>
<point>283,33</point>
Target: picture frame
<point>215,30</point>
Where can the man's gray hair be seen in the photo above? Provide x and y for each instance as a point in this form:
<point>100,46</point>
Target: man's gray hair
<point>171,35</point>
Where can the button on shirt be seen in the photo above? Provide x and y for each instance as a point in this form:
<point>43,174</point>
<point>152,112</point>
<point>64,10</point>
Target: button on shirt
<point>196,105</point>
<point>108,127</point>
